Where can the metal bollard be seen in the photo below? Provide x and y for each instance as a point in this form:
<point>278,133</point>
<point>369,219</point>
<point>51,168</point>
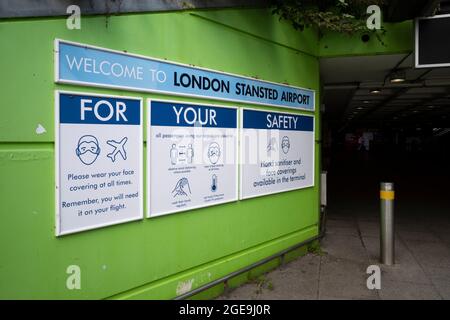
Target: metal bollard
<point>323,189</point>
<point>387,242</point>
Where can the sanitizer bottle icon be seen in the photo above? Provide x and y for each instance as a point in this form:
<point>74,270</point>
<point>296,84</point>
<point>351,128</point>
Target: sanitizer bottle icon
<point>173,154</point>
<point>189,153</point>
<point>214,183</point>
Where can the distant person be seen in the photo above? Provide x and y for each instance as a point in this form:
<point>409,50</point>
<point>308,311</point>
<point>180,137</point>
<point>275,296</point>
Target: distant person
<point>367,137</point>
<point>361,146</point>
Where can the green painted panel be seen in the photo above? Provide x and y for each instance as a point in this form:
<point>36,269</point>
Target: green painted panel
<point>192,279</point>
<point>118,258</point>
<point>210,293</point>
<point>149,258</point>
<point>399,38</point>
<point>265,25</point>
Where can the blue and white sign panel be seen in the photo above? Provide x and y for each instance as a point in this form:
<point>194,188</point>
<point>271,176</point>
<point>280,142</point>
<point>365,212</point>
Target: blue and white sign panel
<point>192,156</point>
<point>277,152</point>
<point>98,150</point>
<point>88,65</point>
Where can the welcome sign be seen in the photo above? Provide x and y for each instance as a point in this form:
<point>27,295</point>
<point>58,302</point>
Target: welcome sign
<point>93,66</point>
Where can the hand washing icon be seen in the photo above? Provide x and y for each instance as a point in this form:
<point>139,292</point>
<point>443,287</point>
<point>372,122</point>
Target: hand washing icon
<point>181,187</point>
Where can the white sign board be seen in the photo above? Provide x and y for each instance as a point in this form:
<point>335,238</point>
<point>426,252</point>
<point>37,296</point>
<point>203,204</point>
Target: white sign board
<point>192,156</point>
<point>98,150</point>
<point>277,152</point>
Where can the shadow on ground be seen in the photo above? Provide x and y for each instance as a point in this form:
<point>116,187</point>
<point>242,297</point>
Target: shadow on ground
<point>351,243</point>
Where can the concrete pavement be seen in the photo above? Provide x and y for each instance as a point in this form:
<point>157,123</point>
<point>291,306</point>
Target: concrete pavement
<point>351,244</point>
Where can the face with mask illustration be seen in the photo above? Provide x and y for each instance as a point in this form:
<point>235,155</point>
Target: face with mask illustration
<point>88,149</point>
<point>285,144</point>
<point>214,152</point>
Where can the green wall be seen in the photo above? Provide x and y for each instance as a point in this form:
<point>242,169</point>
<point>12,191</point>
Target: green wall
<point>399,38</point>
<point>151,258</point>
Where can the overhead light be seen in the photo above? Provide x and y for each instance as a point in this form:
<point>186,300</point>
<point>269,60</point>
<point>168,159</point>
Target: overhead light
<point>360,108</point>
<point>397,80</point>
<point>375,91</point>
<point>397,76</point>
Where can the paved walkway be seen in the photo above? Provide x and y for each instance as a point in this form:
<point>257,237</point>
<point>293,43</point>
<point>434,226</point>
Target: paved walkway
<point>351,244</point>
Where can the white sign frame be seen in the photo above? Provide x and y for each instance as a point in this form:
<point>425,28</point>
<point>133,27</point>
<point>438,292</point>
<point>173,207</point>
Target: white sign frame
<point>149,169</point>
<point>241,154</point>
<point>57,163</point>
<point>416,44</point>
<point>170,93</point>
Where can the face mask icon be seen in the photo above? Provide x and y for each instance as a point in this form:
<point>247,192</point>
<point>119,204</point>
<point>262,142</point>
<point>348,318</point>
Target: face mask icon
<point>285,144</point>
<point>87,149</point>
<point>213,152</point>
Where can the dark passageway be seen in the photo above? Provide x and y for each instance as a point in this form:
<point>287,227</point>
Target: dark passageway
<point>351,243</point>
<point>422,213</point>
<point>421,175</point>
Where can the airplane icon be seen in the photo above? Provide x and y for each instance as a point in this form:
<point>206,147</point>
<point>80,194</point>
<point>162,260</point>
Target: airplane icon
<point>119,147</point>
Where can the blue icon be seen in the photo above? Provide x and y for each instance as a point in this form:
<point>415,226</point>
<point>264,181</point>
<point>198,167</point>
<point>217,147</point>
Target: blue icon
<point>214,183</point>
<point>181,154</point>
<point>87,149</point>
<point>173,154</point>
<point>181,187</point>
<point>272,145</point>
<point>285,144</point>
<point>213,152</point>
<point>189,153</point>
<point>119,148</point>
